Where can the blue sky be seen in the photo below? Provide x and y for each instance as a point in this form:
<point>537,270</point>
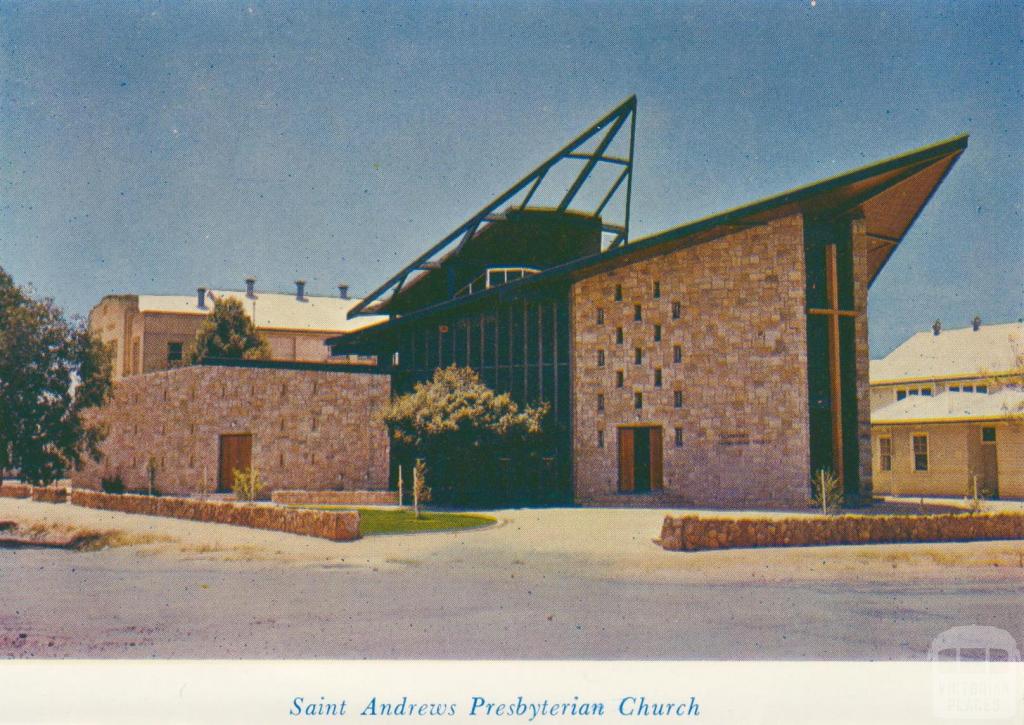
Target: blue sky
<point>156,147</point>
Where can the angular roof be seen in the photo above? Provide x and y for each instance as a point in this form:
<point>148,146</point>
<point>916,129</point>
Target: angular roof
<point>952,408</point>
<point>959,353</point>
<point>270,310</point>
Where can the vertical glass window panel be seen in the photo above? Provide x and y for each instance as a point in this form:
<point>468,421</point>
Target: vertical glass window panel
<point>618,293</point>
<point>885,453</point>
<point>677,398</point>
<point>677,354</point>
<point>679,437</point>
<point>548,333</point>
<point>600,315</point>
<point>619,379</point>
<point>638,400</point>
<point>532,336</point>
<point>677,310</point>
<point>475,341</point>
<point>600,358</point>
<point>920,453</point>
<point>638,356</point>
<point>657,377</point>
<point>600,439</point>
<point>600,402</point>
<point>657,290</point>
<point>926,392</point>
<point>988,435</point>
<point>657,333</point>
<point>981,389</point>
<point>618,336</point>
<point>638,313</point>
<point>490,353</point>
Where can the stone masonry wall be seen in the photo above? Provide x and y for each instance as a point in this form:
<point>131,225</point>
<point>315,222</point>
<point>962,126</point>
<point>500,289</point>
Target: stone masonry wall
<point>743,375</point>
<point>311,430</point>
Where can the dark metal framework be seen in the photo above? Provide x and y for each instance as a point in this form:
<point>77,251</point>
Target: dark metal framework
<point>605,130</point>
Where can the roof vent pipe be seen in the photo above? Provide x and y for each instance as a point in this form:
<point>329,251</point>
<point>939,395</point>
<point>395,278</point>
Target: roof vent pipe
<point>343,291</point>
<point>976,323</point>
<point>300,290</point>
<point>250,287</point>
<point>201,298</point>
<point>937,327</point>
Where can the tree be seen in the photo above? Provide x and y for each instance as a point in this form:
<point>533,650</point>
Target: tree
<point>461,428</point>
<point>228,332</point>
<point>51,372</point>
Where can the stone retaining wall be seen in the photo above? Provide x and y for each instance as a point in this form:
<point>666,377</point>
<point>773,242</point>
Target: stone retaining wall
<point>695,533</point>
<point>333,525</point>
<point>50,494</point>
<point>335,498</point>
<point>15,490</point>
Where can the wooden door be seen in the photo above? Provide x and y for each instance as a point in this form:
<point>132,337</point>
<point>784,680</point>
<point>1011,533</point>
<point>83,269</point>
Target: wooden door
<point>656,461</point>
<point>235,454</point>
<point>626,460</point>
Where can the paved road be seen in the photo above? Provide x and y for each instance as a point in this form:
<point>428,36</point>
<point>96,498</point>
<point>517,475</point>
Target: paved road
<point>546,584</point>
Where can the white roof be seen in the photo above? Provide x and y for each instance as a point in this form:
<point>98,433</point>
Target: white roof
<point>271,310</point>
<point>959,353</point>
<point>952,407</point>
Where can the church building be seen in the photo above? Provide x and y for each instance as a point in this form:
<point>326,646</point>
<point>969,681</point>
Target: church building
<point>718,363</point>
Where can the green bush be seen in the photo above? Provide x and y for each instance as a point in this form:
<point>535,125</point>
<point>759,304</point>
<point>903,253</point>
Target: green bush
<point>247,484</point>
<point>828,491</point>
<point>112,484</point>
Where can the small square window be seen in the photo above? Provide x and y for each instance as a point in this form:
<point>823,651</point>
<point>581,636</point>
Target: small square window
<point>657,333</point>
<point>618,335</point>
<point>600,439</point>
<point>988,435</point>
<point>679,437</point>
<point>618,293</point>
<point>638,400</point>
<point>619,379</point>
<point>600,402</point>
<point>600,315</point>
<point>638,313</point>
<point>638,356</point>
<point>968,388</point>
<point>954,388</point>
<point>677,310</point>
<point>901,394</point>
<point>677,354</point>
<point>174,352</point>
<point>600,358</point>
<point>915,391</point>
<point>657,377</point>
<point>657,290</point>
<point>927,392</point>
<point>981,389</point>
<point>677,398</point>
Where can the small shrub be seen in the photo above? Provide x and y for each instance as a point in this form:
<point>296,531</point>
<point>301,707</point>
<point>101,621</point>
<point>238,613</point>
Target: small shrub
<point>975,493</point>
<point>247,484</point>
<point>828,491</point>
<point>420,492</point>
<point>112,484</point>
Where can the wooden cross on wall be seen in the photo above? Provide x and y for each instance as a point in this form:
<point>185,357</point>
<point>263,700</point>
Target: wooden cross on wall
<point>833,312</point>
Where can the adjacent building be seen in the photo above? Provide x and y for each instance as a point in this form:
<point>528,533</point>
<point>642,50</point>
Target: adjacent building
<point>147,333</point>
<point>948,413</point>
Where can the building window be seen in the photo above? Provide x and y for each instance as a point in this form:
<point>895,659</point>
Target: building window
<point>314,424</point>
<point>677,399</point>
<point>679,437</point>
<point>618,293</point>
<point>618,335</point>
<point>677,310</point>
<point>638,313</point>
<point>981,389</point>
<point>901,394</point>
<point>657,290</point>
<point>657,333</point>
<point>677,354</point>
<point>600,402</point>
<point>988,435</point>
<point>600,315</point>
<point>927,392</point>
<point>638,400</point>
<point>619,379</point>
<point>600,358</point>
<point>600,439</point>
<point>921,452</point>
<point>954,388</point>
<point>885,453</point>
<point>280,459</point>
<point>638,356</point>
<point>657,377</point>
<point>174,352</point>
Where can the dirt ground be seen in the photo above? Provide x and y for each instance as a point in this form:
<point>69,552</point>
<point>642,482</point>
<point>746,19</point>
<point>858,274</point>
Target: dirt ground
<point>542,583</point>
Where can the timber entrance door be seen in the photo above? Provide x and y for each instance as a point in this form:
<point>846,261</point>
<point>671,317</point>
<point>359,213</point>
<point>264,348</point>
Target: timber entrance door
<point>988,473</point>
<point>640,468</point>
<point>235,453</point>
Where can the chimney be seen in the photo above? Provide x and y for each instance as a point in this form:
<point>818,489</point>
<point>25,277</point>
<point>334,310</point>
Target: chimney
<point>343,291</point>
<point>300,290</point>
<point>937,327</point>
<point>250,287</point>
<point>976,323</point>
<point>201,298</point>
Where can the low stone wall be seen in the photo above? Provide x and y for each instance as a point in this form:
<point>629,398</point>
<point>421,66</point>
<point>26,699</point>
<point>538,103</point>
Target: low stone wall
<point>335,498</point>
<point>695,533</point>
<point>15,490</point>
<point>333,525</point>
<point>50,494</point>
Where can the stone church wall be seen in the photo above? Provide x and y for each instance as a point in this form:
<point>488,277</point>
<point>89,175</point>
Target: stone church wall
<point>311,430</point>
<point>743,374</point>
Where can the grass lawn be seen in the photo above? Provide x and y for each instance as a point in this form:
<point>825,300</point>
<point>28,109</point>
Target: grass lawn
<point>396,521</point>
